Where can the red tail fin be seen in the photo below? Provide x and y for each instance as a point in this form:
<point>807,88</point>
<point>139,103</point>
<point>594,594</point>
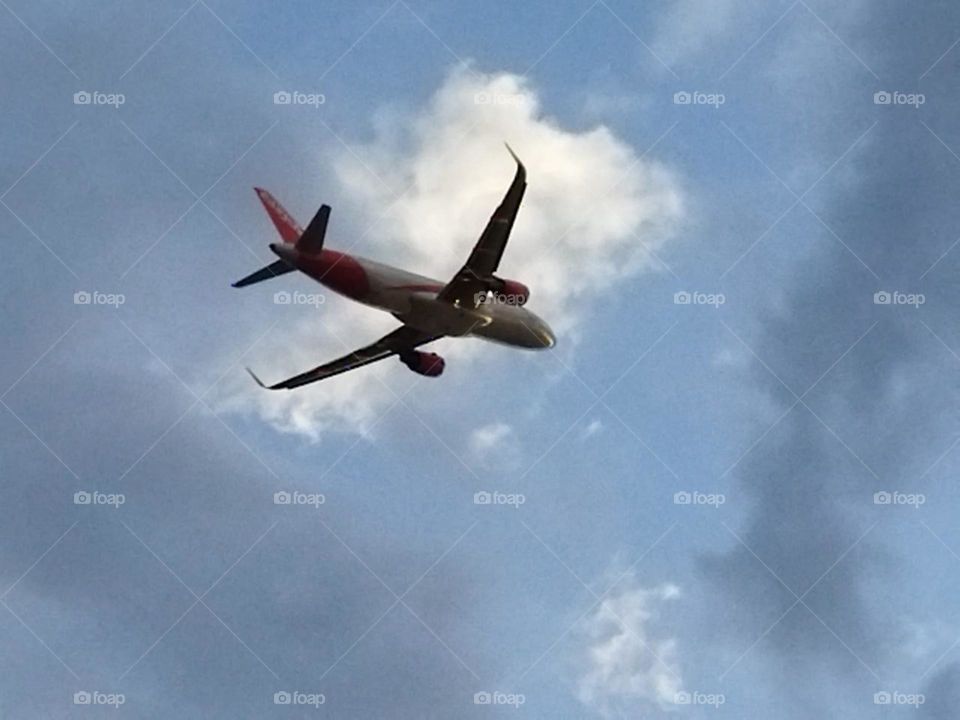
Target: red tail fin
<point>285,224</point>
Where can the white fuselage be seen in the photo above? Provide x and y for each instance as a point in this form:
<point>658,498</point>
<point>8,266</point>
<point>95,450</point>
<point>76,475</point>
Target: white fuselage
<point>412,299</point>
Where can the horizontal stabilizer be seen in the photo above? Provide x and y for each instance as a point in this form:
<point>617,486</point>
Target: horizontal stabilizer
<point>280,267</point>
<point>312,239</point>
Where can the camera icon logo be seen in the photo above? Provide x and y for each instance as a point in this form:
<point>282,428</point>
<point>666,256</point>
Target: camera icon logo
<point>882,298</point>
<point>282,97</point>
<point>282,497</point>
<point>82,698</point>
<point>882,698</point>
<point>282,698</point>
<point>681,298</point>
<point>882,97</point>
<point>482,498</point>
<point>682,698</point>
<point>682,498</point>
<point>682,98</point>
<point>82,497</point>
<point>482,698</point>
<point>82,98</point>
<point>882,498</point>
<point>81,297</point>
<point>282,298</point>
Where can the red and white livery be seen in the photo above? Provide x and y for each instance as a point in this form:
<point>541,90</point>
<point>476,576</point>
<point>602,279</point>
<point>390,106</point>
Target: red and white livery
<point>474,303</point>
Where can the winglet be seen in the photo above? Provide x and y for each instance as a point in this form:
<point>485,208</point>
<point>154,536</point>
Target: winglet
<point>513,155</point>
<point>258,381</point>
<point>521,170</point>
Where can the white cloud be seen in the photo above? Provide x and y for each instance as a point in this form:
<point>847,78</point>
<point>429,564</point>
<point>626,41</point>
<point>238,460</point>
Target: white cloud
<point>489,437</point>
<point>590,202</point>
<point>496,445</point>
<point>628,661</point>
<point>592,429</point>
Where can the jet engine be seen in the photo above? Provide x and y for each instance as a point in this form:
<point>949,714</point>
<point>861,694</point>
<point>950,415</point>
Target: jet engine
<point>429,364</point>
<point>510,292</point>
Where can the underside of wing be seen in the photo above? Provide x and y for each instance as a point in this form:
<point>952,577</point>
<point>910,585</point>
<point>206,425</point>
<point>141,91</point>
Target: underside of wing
<point>401,340</point>
<point>474,277</point>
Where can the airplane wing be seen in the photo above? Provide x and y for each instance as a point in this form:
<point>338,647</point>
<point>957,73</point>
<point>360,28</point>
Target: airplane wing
<point>402,339</point>
<point>474,277</point>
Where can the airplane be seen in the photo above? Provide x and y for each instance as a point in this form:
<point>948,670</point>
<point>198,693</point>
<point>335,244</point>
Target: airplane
<point>474,303</point>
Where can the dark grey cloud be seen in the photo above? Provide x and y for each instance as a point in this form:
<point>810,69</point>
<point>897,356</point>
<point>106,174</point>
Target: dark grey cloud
<point>942,694</point>
<point>298,598</point>
<point>95,602</point>
<point>883,414</point>
<point>290,591</point>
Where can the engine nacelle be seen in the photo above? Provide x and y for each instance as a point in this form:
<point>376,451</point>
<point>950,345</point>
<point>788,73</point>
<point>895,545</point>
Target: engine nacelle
<point>429,364</point>
<point>510,292</point>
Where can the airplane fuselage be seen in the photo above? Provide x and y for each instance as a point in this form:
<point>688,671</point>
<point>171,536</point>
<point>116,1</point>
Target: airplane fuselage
<point>412,299</point>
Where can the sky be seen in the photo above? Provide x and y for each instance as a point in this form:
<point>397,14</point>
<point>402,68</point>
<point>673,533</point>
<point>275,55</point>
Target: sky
<point>728,491</point>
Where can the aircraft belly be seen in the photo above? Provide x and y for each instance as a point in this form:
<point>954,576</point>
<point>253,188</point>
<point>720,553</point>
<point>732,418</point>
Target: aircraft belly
<point>430,315</point>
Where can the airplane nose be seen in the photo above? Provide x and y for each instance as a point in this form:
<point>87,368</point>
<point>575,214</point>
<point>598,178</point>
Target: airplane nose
<point>546,336</point>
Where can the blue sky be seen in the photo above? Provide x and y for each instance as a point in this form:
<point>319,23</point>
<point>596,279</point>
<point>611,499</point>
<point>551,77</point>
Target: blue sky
<point>783,197</point>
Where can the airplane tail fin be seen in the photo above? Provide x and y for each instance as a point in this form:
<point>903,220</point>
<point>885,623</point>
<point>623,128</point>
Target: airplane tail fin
<point>282,220</point>
<point>308,241</point>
